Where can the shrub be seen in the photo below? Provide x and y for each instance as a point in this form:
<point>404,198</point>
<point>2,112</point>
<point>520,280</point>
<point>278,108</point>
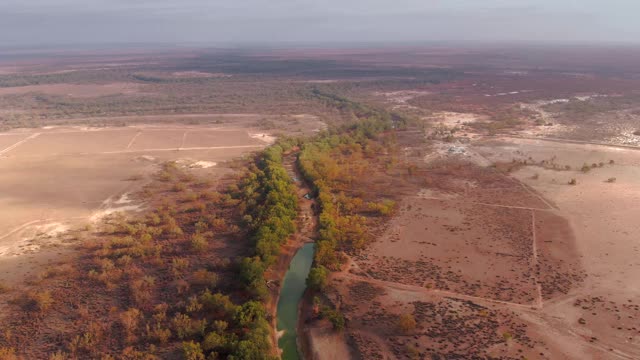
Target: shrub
<point>585,168</point>
<point>198,243</point>
<point>40,301</point>
<point>141,290</point>
<point>7,353</point>
<point>129,320</point>
<point>203,277</point>
<point>213,340</point>
<point>335,317</point>
<point>190,197</point>
<point>179,266</point>
<point>182,325</point>
<point>201,226</point>
<point>192,351</point>
<point>573,182</point>
<point>58,355</point>
<point>178,187</point>
<point>194,305</point>
<point>611,180</point>
<point>158,333</point>
<point>406,323</point>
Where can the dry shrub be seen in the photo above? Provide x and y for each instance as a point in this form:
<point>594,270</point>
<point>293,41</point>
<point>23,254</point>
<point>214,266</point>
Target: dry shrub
<point>40,301</point>
<point>59,355</point>
<point>178,187</point>
<point>179,266</point>
<point>406,323</point>
<point>198,243</point>
<point>130,320</point>
<point>7,353</point>
<point>182,325</point>
<point>158,333</point>
<point>141,290</point>
<point>205,278</point>
<point>182,286</point>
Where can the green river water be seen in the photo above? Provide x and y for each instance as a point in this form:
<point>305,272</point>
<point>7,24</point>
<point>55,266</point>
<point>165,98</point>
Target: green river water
<point>292,290</point>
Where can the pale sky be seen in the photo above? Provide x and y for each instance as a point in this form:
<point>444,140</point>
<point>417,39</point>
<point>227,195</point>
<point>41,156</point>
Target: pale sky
<point>56,22</point>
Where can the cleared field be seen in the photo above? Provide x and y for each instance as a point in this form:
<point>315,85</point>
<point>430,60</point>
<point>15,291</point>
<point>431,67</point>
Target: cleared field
<point>55,180</point>
<point>76,142</point>
<point>220,137</point>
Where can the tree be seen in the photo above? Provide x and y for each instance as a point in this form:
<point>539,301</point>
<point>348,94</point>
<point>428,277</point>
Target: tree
<point>317,279</point>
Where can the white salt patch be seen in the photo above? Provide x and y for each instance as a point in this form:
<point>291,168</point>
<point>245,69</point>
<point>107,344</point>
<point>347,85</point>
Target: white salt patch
<point>101,214</point>
<point>51,229</point>
<point>124,199</point>
<point>203,164</point>
<point>269,139</point>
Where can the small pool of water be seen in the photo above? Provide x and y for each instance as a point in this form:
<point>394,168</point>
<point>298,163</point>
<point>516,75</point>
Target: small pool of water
<point>292,290</point>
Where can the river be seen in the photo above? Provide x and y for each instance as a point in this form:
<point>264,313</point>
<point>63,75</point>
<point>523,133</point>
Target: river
<point>293,288</point>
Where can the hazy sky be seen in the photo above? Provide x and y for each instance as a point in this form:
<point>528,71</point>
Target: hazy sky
<point>237,21</point>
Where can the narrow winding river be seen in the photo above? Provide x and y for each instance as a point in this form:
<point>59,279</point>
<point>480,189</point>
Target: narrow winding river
<point>291,293</point>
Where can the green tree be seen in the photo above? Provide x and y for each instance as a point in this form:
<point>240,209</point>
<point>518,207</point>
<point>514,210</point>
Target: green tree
<point>317,279</point>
